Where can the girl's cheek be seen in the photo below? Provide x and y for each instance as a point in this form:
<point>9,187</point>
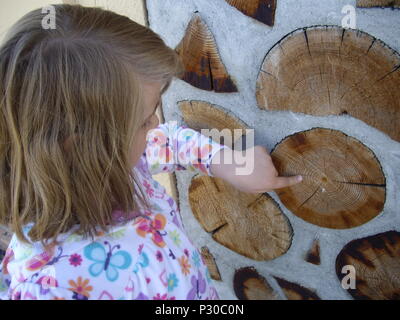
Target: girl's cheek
<point>155,123</point>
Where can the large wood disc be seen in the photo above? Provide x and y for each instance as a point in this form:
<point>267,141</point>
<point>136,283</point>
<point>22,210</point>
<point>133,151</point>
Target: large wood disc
<point>376,260</point>
<point>250,224</point>
<point>331,71</point>
<point>203,66</point>
<point>343,185</point>
<point>261,10</point>
<point>203,115</point>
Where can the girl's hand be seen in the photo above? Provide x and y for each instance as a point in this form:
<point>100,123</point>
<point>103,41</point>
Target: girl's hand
<point>260,173</point>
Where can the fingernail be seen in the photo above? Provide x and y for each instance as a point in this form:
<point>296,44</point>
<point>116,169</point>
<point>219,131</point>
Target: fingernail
<point>299,178</point>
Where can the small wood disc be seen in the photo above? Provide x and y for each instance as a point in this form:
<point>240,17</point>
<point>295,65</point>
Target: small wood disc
<point>313,255</point>
<point>343,185</point>
<point>261,10</point>
<point>252,225</point>
<point>203,115</point>
<point>376,260</point>
<point>203,65</point>
<point>210,263</point>
<point>248,284</point>
<point>294,291</point>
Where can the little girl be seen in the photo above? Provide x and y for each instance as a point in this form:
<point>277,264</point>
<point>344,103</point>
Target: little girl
<point>80,142</point>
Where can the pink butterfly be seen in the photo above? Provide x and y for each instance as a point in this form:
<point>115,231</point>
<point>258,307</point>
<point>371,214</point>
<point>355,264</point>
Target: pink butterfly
<point>147,225</point>
<point>44,258</point>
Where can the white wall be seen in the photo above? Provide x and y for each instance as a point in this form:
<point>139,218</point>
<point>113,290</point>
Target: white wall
<point>133,9</point>
<point>12,10</point>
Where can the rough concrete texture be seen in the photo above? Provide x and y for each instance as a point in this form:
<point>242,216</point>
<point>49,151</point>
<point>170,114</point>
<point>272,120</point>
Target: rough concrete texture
<point>243,43</point>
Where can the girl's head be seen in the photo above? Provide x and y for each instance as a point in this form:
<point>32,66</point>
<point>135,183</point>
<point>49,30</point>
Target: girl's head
<point>76,104</point>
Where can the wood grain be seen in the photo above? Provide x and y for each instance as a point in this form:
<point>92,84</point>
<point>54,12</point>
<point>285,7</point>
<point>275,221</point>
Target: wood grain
<point>211,264</point>
<point>327,70</point>
<point>261,10</point>
<point>203,66</point>
<point>378,3</point>
<point>376,260</point>
<point>343,184</point>
<point>250,224</point>
<point>203,115</point>
<point>248,284</point>
<point>313,255</point>
<point>294,291</point>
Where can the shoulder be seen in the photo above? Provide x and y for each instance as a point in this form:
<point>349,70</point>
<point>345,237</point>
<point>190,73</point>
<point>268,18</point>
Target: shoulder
<point>78,268</point>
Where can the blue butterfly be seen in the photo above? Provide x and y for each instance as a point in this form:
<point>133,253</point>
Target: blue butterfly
<point>107,261</point>
<point>143,261</point>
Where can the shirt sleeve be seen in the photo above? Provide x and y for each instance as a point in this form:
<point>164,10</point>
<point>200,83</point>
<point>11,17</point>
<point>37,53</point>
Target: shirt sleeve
<point>173,147</point>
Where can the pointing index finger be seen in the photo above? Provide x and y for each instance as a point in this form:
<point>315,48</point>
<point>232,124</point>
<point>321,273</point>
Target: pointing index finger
<point>282,182</point>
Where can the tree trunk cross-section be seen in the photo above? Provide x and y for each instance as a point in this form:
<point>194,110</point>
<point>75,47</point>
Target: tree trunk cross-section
<point>294,291</point>
<point>202,115</point>
<point>376,260</point>
<point>250,224</point>
<point>313,255</point>
<point>211,264</point>
<point>343,185</point>
<point>261,10</point>
<point>333,71</point>
<point>378,3</point>
<point>248,284</point>
<point>203,66</point>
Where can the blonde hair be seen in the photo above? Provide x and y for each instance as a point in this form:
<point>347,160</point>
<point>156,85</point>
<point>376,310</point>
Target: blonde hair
<point>82,79</point>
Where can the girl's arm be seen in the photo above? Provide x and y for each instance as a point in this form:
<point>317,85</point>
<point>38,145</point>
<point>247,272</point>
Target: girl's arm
<point>171,147</point>
<point>250,171</point>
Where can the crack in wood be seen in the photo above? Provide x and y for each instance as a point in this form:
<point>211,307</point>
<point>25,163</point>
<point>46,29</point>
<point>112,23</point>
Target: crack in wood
<point>341,43</point>
<point>210,71</point>
<point>341,40</point>
<point>316,190</point>
<point>217,229</point>
<point>255,201</point>
<point>278,80</point>
<point>363,184</point>
<point>390,72</point>
<point>372,43</point>
<point>308,45</point>
<point>329,94</point>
